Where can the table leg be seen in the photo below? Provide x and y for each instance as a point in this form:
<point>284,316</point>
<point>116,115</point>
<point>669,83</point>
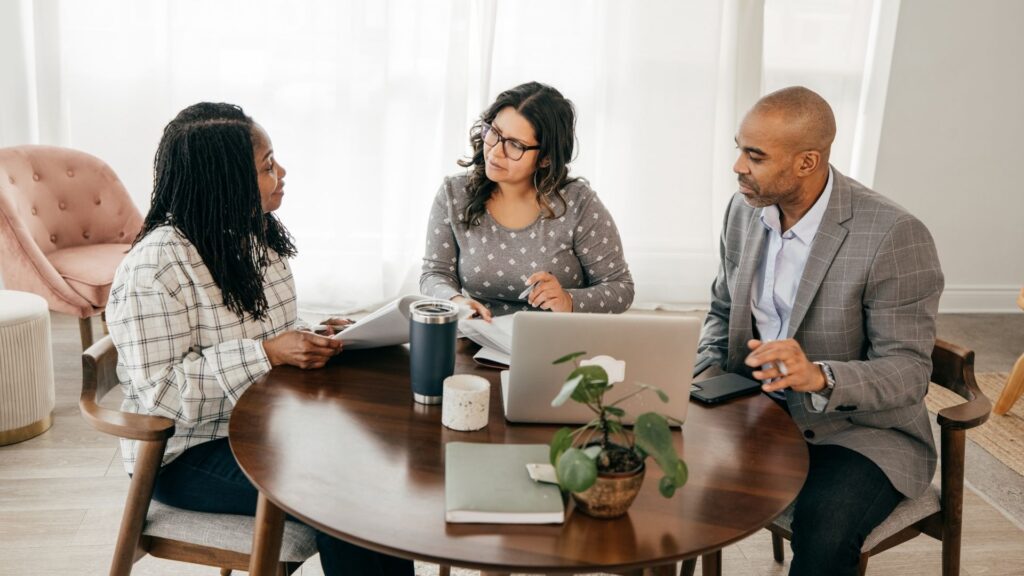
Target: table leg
<point>711,564</point>
<point>266,538</point>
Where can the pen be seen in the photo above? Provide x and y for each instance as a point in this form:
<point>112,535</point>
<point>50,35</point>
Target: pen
<point>526,292</point>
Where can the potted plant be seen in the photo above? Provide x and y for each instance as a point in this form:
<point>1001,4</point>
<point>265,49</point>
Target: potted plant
<point>602,462</point>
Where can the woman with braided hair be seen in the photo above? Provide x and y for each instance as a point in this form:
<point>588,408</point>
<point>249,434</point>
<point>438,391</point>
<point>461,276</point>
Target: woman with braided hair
<point>204,304</point>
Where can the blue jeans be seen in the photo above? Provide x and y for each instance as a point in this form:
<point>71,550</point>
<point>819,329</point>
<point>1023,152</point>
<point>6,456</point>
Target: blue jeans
<point>206,478</point>
<point>844,498</point>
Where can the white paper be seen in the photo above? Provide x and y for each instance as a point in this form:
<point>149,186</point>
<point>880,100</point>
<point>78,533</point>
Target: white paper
<point>496,334</point>
<point>492,358</point>
<point>386,326</point>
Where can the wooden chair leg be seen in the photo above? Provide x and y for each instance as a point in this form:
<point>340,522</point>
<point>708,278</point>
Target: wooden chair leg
<point>444,570</point>
<point>951,549</point>
<point>862,565</point>
<point>1012,391</point>
<point>688,567</point>
<point>778,548</point>
<point>140,491</point>
<point>85,331</point>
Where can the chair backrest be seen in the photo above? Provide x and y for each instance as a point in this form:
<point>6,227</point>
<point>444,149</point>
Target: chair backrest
<point>60,198</point>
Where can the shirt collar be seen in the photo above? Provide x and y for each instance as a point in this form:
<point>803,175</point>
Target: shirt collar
<point>807,227</point>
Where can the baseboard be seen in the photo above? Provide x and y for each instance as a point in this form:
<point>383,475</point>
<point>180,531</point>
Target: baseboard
<point>979,299</point>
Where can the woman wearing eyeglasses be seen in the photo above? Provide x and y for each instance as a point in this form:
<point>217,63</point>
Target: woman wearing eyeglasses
<point>515,231</point>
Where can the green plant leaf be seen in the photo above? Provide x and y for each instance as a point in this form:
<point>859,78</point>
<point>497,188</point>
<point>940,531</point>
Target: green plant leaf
<point>593,384</point>
<point>615,411</point>
<point>561,442</point>
<point>615,427</point>
<point>569,357</point>
<point>666,486</point>
<point>654,437</point>
<point>593,451</point>
<point>567,390</point>
<point>576,472</point>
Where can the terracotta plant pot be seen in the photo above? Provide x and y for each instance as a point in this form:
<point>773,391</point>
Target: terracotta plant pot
<point>612,494</point>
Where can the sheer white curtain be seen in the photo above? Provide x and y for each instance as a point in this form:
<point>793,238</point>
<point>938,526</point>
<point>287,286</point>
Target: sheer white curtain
<point>369,103</point>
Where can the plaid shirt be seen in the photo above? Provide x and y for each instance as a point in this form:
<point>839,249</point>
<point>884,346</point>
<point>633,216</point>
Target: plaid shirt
<point>181,352</point>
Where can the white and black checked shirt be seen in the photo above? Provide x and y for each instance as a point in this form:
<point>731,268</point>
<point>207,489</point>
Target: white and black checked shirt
<point>181,352</point>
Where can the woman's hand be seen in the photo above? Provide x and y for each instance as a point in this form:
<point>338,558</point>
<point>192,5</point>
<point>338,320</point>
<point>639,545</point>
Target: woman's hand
<point>299,348</point>
<point>479,310</point>
<point>547,293</point>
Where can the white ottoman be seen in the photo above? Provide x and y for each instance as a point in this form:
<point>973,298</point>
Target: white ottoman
<point>26,367</point>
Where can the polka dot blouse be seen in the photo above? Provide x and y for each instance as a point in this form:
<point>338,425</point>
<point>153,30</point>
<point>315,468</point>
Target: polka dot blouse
<point>490,263</point>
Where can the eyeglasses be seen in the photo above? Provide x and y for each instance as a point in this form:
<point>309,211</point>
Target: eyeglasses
<point>513,149</point>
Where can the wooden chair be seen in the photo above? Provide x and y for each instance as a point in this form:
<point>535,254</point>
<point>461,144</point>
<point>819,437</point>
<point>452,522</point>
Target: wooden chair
<point>221,540</point>
<point>1015,383</point>
<point>939,511</point>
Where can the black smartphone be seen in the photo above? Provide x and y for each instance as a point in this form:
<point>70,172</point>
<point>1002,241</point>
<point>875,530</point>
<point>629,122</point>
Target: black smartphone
<point>721,388</point>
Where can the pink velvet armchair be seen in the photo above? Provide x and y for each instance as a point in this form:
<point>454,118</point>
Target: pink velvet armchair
<point>66,222</point>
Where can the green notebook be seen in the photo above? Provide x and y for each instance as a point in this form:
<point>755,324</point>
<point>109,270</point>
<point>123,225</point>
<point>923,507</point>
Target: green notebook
<point>489,484</point>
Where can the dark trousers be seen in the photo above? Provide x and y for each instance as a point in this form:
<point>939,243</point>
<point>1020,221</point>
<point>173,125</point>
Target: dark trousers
<point>206,478</point>
<point>845,497</point>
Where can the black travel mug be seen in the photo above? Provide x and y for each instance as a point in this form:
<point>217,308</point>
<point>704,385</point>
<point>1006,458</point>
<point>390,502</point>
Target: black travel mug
<point>432,325</point>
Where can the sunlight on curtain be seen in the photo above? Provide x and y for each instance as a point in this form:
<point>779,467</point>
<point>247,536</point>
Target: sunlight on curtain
<point>820,45</point>
<point>643,77</point>
<point>369,104</point>
<point>357,97</point>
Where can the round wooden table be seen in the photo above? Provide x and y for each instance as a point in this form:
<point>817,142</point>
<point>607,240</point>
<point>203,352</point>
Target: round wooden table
<point>346,450</point>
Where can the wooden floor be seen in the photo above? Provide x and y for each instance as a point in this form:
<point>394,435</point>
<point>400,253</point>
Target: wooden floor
<point>61,496</point>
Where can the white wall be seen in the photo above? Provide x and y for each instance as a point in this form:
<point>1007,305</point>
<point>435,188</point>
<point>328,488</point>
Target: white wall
<point>952,142</point>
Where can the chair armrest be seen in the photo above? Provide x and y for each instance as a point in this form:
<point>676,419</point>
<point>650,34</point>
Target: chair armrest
<point>967,415</point>
<point>125,424</point>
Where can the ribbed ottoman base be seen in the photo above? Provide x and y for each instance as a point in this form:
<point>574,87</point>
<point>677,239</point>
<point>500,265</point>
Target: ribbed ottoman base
<point>25,432</point>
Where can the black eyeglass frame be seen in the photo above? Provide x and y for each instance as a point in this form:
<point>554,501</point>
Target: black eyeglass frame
<point>486,129</point>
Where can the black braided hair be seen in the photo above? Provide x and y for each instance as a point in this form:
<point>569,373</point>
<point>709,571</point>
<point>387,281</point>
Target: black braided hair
<point>553,118</point>
<point>205,185</point>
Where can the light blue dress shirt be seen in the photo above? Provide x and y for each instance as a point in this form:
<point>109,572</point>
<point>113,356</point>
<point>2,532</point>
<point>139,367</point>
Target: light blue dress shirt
<point>778,277</point>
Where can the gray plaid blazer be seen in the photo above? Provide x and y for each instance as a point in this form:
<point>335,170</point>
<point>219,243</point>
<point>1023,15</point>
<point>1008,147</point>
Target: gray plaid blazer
<point>866,304</point>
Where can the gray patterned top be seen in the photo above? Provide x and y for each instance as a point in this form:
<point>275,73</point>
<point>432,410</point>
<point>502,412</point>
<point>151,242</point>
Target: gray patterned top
<point>490,263</point>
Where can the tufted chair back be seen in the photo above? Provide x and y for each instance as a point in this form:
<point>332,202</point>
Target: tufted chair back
<point>66,222</point>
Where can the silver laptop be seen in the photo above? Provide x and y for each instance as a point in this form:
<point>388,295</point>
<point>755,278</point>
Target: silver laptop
<point>658,350</point>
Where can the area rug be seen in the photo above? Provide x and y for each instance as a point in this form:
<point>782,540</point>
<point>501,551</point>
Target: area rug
<point>1001,436</point>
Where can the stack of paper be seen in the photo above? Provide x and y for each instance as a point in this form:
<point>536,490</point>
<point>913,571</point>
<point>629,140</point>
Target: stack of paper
<point>494,337</point>
<point>489,484</point>
<point>386,326</point>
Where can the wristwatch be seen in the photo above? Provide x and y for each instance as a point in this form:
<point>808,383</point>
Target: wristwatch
<point>830,378</point>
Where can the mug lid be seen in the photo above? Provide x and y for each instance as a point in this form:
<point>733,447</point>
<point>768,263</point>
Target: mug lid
<point>434,311</point>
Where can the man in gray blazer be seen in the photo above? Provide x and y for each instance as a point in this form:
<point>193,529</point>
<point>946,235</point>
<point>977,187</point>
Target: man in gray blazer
<point>827,292</point>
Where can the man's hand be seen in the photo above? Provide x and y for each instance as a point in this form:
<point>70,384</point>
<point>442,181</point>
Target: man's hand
<point>299,348</point>
<point>790,367</point>
<point>332,326</point>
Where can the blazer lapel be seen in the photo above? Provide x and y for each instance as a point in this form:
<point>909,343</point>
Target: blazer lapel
<point>740,321</point>
<point>829,238</point>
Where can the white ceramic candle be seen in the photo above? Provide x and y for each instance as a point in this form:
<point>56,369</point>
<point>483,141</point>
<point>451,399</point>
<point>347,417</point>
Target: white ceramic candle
<point>466,402</point>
